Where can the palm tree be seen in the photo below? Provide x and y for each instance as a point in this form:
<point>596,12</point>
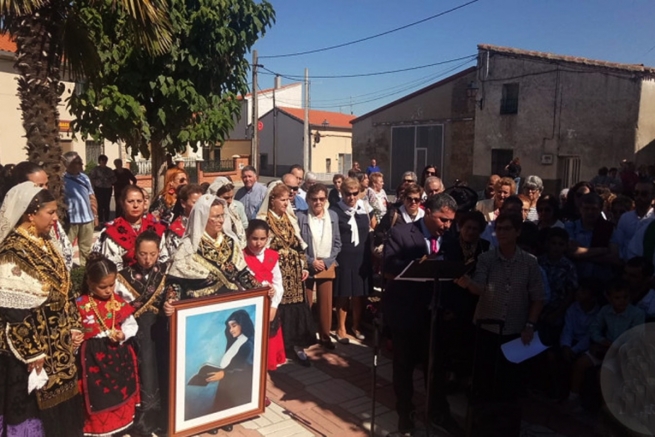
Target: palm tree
<point>52,39</point>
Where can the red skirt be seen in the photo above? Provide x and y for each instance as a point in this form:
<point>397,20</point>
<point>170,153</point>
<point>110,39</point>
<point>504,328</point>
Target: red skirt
<point>276,353</point>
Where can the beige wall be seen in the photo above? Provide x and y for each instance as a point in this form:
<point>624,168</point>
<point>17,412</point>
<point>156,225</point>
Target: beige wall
<point>12,134</point>
<point>564,110</point>
<point>333,142</point>
<point>645,143</point>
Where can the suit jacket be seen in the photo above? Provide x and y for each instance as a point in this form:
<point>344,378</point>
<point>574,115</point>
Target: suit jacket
<point>306,234</point>
<point>486,207</point>
<point>406,305</point>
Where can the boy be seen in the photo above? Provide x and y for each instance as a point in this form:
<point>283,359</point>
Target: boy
<point>611,321</point>
<point>575,339</point>
<point>638,273</point>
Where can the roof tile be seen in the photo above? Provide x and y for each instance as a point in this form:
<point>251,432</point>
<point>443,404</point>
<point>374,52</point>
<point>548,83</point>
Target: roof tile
<point>7,44</point>
<point>316,118</point>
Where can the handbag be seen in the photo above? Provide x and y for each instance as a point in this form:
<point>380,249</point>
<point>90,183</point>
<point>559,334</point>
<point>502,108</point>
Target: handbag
<point>330,273</point>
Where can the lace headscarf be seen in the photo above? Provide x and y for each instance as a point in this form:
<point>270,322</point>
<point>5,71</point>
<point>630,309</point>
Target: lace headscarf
<point>218,183</point>
<point>182,262</point>
<point>15,205</point>
<point>237,225</point>
<point>263,213</point>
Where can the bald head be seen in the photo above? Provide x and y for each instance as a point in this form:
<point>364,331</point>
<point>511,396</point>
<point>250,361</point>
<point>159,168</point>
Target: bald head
<point>291,181</point>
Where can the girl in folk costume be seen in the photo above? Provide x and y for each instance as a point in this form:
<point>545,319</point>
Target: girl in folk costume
<point>264,263</point>
<point>163,208</point>
<point>142,286</point>
<point>40,328</point>
<point>117,240</point>
<point>295,315</point>
<point>108,365</point>
<point>188,196</point>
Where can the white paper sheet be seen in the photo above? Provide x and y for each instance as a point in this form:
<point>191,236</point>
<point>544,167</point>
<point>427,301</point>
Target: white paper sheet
<point>516,352</point>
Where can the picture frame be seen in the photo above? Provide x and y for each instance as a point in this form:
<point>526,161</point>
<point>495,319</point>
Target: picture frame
<point>218,353</point>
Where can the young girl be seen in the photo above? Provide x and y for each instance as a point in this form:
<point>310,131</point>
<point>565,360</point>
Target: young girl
<point>264,264</point>
<point>142,285</point>
<point>108,365</point>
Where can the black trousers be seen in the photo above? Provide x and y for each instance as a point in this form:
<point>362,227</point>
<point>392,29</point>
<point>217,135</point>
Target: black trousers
<point>495,379</point>
<point>411,349</point>
<point>104,199</point>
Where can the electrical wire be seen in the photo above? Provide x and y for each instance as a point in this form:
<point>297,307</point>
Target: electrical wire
<point>324,49</point>
<point>377,73</point>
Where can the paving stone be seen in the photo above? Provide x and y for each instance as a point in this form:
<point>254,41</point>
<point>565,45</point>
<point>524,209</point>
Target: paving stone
<point>335,392</point>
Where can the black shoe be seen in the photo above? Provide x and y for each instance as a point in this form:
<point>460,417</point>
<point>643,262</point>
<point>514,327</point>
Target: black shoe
<point>327,344</point>
<point>213,431</point>
<point>227,428</point>
<point>406,423</point>
<point>342,340</point>
<point>446,423</point>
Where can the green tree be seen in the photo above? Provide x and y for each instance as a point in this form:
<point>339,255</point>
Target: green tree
<point>159,104</point>
<point>52,41</point>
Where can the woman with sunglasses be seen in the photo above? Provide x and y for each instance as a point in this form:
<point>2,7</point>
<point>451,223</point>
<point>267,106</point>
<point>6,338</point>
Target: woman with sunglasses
<point>428,171</point>
<point>353,282</point>
<point>163,208</point>
<point>532,188</point>
<point>409,177</point>
<point>571,209</point>
<point>548,212</point>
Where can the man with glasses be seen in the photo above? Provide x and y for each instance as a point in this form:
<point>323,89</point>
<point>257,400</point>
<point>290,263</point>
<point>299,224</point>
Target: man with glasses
<point>631,221</point>
<point>252,193</point>
<point>297,202</point>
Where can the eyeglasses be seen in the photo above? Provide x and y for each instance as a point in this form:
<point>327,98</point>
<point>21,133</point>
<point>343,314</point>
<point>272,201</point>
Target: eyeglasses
<point>293,188</point>
<point>352,194</point>
<point>317,199</point>
<point>532,189</point>
<point>217,218</point>
<point>431,173</point>
<point>408,181</point>
<point>413,199</point>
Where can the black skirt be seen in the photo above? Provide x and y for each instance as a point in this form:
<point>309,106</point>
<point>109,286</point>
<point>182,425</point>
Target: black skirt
<point>297,325</point>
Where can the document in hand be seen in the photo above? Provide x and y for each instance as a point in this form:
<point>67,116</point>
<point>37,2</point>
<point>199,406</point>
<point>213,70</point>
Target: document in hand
<point>428,269</point>
<point>517,352</point>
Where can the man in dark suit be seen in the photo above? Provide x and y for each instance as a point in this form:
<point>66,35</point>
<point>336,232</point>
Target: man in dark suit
<point>406,308</point>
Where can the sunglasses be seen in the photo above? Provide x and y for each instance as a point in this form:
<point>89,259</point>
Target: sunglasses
<point>317,199</point>
<point>413,199</point>
<point>408,181</point>
<point>352,194</point>
<point>293,188</point>
<point>431,173</point>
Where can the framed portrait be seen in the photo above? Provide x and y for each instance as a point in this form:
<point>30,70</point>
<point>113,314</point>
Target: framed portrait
<point>218,361</point>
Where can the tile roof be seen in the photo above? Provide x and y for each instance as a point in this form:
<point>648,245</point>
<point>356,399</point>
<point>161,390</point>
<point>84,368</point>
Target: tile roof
<point>316,118</point>
<point>270,90</point>
<point>6,43</point>
<point>638,68</point>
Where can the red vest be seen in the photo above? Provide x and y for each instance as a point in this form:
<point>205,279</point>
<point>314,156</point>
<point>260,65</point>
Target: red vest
<point>263,271</point>
<point>91,326</point>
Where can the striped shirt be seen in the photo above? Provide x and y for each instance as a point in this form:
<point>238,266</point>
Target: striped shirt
<point>510,286</point>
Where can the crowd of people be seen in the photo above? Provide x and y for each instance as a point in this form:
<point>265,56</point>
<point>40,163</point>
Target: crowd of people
<point>576,267</point>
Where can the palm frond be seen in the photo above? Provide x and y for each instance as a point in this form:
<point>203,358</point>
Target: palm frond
<point>19,7</point>
<point>152,25</point>
<point>80,54</point>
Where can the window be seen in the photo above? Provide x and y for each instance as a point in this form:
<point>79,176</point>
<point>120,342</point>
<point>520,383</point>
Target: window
<point>568,170</point>
<point>510,101</point>
<point>414,147</point>
<point>328,165</point>
<point>263,160</point>
<point>93,150</point>
<point>499,160</point>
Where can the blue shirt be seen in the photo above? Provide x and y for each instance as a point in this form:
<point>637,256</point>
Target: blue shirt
<point>582,236</point>
<point>576,328</point>
<point>371,169</point>
<point>78,191</point>
<point>608,325</point>
<point>299,204</point>
<point>252,199</point>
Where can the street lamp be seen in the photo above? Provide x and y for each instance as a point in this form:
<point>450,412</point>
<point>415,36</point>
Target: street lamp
<point>472,92</point>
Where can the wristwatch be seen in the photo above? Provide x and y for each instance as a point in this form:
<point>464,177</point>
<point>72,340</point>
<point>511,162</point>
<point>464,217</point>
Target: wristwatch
<point>529,325</point>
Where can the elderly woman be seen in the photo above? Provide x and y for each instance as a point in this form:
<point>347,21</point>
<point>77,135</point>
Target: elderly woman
<point>209,261</point>
<point>41,327</point>
<point>295,316</point>
<point>163,208</point>
<point>533,187</point>
<point>224,188</point>
<point>118,239</point>
<point>319,227</point>
<point>187,197</point>
<point>409,177</point>
<point>353,278</point>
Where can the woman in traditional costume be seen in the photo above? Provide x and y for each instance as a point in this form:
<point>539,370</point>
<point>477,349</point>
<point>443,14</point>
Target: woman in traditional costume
<point>224,188</point>
<point>295,315</point>
<point>235,374</point>
<point>209,261</point>
<point>108,364</point>
<point>189,195</point>
<point>163,207</point>
<point>118,239</point>
<point>142,285</point>
<point>39,323</point>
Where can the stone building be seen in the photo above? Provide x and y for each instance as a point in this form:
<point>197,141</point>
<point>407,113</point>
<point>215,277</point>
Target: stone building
<point>432,126</point>
<point>564,116</point>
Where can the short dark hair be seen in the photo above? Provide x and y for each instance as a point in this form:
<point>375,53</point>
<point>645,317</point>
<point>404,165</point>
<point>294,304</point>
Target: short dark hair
<point>103,158</point>
<point>188,190</point>
<point>595,285</point>
<point>474,216</point>
<point>557,233</point>
<point>591,198</point>
<point>257,225</point>
<point>603,171</point>
<point>617,286</point>
<point>249,168</point>
<point>296,167</point>
<point>316,188</point>
<point>643,263</point>
<point>439,201</point>
<point>513,199</point>
<point>515,219</point>
<point>147,236</point>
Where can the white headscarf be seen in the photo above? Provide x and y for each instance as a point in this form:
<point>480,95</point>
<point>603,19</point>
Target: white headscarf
<point>14,206</point>
<point>218,183</point>
<point>237,226</point>
<point>263,212</point>
<point>182,262</point>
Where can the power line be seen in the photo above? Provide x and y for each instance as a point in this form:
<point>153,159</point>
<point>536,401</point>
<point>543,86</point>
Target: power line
<point>376,73</point>
<point>324,49</point>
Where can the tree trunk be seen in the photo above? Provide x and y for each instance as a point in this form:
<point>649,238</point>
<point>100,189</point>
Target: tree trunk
<point>39,89</point>
<point>157,158</point>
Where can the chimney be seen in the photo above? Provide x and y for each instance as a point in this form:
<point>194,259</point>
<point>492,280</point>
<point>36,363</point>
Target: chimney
<point>277,83</point>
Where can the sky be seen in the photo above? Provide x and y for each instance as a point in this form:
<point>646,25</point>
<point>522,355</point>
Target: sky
<point>609,30</point>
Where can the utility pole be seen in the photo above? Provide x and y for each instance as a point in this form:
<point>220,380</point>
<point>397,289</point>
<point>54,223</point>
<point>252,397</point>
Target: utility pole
<point>306,140</point>
<point>275,129</point>
<point>254,147</point>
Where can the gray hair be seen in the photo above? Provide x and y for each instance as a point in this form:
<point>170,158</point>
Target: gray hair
<point>439,201</point>
<point>70,157</point>
<point>411,175</point>
<point>431,179</point>
<point>533,181</point>
<point>310,176</point>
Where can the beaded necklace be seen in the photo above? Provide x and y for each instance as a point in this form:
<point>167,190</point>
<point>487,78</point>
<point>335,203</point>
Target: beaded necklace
<point>112,306</point>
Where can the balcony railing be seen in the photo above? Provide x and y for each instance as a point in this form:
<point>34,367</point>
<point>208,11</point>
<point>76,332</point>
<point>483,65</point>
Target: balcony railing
<point>217,166</point>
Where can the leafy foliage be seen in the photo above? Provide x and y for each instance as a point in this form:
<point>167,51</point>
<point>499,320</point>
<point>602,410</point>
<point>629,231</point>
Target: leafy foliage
<point>185,96</point>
